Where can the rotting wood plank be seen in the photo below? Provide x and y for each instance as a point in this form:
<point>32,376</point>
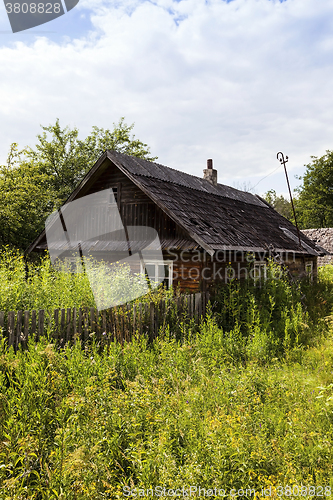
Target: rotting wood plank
<point>26,328</point>
<point>134,321</point>
<point>56,324</point>
<point>18,329</point>
<point>2,322</point>
<point>40,332</point>
<point>33,323</point>
<point>104,332</point>
<point>92,320</point>
<point>86,323</point>
<point>62,327</point>
<point>68,324</point>
<point>79,326</point>
<point>140,318</point>
<point>11,331</point>
<point>151,321</point>
<point>74,325</point>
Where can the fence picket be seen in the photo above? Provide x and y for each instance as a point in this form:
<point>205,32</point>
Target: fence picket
<point>79,326</point>
<point>134,320</point>
<point>41,313</point>
<point>11,332</point>
<point>74,326</point>
<point>92,320</point>
<point>26,328</point>
<point>56,324</point>
<point>33,323</point>
<point>2,321</point>
<point>68,324</point>
<point>62,327</point>
<point>18,329</point>
<point>119,323</point>
<point>86,323</point>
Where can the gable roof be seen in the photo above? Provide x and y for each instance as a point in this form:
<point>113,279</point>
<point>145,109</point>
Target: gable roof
<point>215,217</point>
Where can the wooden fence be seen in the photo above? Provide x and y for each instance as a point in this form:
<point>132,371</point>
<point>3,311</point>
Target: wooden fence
<point>117,324</point>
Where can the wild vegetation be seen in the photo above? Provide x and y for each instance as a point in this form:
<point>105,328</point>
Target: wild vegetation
<point>244,403</point>
<point>27,285</point>
<point>36,181</point>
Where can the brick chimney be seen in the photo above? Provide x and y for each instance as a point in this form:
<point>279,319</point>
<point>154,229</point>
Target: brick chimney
<point>210,174</point>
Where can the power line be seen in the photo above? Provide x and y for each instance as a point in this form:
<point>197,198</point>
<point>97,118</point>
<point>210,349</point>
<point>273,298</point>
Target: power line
<point>266,176</point>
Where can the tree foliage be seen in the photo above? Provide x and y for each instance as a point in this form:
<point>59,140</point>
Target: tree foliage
<point>280,204</point>
<point>315,196</point>
<point>36,181</point>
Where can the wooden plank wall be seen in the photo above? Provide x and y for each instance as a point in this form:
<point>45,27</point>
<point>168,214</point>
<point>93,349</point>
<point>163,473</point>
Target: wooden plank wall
<point>114,325</point>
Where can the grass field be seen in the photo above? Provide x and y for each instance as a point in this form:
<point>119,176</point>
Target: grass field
<point>245,404</point>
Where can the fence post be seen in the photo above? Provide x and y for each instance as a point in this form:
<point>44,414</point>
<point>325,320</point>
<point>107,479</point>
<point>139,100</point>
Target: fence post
<point>104,325</point>
<point>80,324</point>
<point>92,320</point>
<point>18,329</point>
<point>140,317</point>
<point>134,319</point>
<point>74,325</point>
<point>33,323</point>
<point>11,332</point>
<point>40,324</point>
<point>86,323</point>
<point>56,324</point>
<point>26,327</point>
<point>62,327</point>
<point>68,321</point>
<point>2,320</point>
<point>151,321</point>
<point>197,307</point>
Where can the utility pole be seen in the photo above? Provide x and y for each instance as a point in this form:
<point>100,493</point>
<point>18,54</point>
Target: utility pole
<point>283,161</point>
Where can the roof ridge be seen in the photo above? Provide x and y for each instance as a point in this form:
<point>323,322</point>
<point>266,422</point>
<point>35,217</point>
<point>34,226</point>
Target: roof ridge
<point>203,185</point>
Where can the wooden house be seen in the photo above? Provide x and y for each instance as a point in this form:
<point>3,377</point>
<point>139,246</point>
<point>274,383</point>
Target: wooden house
<point>208,231</point>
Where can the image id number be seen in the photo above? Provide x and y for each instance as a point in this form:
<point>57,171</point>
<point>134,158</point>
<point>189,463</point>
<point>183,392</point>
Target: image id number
<point>33,8</point>
<point>311,491</point>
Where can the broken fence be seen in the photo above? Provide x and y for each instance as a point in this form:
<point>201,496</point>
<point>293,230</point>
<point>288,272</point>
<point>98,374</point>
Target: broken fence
<point>117,324</point>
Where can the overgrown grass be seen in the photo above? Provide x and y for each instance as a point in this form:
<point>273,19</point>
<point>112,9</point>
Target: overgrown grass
<point>272,318</point>
<point>80,424</point>
<point>29,285</point>
<point>244,403</point>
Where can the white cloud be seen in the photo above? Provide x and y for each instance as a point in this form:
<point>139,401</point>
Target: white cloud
<point>234,81</point>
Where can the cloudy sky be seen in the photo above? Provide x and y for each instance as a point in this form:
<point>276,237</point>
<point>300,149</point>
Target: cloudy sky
<point>236,81</point>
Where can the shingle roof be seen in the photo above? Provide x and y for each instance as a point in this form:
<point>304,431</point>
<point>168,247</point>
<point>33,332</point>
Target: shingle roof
<point>219,216</point>
<point>214,217</point>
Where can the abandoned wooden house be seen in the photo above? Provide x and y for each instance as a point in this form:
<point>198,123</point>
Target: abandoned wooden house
<point>208,232</point>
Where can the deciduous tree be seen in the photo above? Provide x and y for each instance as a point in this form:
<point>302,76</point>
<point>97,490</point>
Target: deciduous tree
<point>36,181</point>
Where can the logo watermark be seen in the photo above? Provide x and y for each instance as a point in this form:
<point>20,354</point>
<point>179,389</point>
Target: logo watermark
<point>122,262</point>
<point>26,14</point>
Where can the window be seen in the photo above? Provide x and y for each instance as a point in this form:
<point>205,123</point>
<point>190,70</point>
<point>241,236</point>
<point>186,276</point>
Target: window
<point>260,271</point>
<point>159,271</point>
<point>309,270</point>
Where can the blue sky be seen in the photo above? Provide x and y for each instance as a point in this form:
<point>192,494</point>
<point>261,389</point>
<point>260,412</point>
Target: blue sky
<point>234,81</point>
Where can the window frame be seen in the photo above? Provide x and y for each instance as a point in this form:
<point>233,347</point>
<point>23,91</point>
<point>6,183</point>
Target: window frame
<point>308,274</point>
<point>117,186</point>
<point>259,265</point>
<point>157,263</point>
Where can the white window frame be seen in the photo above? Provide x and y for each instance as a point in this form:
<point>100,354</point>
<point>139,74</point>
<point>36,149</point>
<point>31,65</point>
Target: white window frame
<point>157,263</point>
<point>260,266</point>
<point>309,270</point>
